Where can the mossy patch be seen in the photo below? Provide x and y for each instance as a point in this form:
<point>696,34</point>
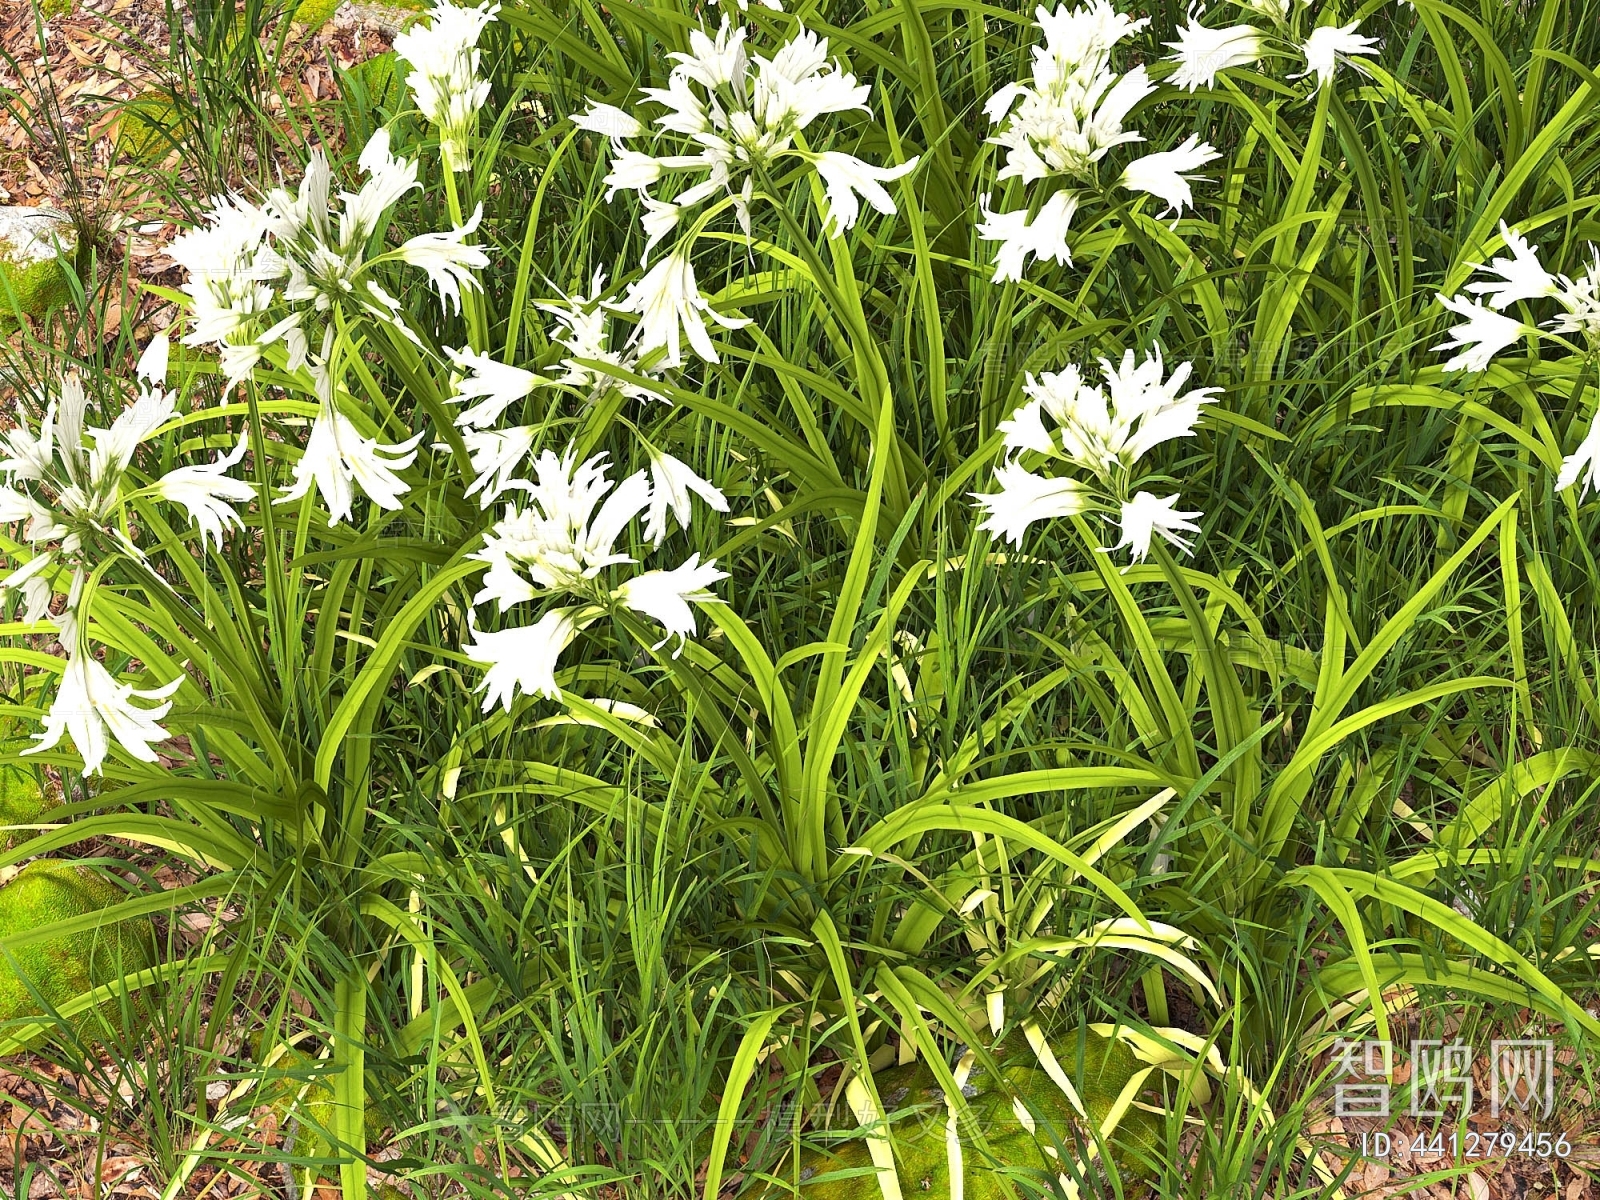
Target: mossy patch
<point>23,801</point>
<point>314,14</point>
<point>36,246</point>
<point>62,968</point>
<point>916,1103</point>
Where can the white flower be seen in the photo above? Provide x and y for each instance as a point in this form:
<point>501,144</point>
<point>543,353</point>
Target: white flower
<point>447,259</point>
<point>496,454</point>
<point>609,121</point>
<point>1145,515</point>
<point>1025,429</point>
<point>35,588</point>
<point>1522,276</point>
<point>336,456</point>
<point>152,365</point>
<point>660,219</point>
<point>494,384</point>
<point>1162,174</point>
<point>444,56</point>
<point>631,171</point>
<point>89,703</point>
<point>1581,298</point>
<point>523,660</point>
<point>1107,433</point>
<point>1024,498</point>
<point>671,482</point>
<point>846,176</point>
<point>19,506</point>
<point>388,179</point>
<point>665,595</point>
<point>560,541</point>
<point>230,268</point>
<point>1203,53</point>
<point>714,62</point>
<point>1045,236</point>
<point>1485,334</point>
<point>1330,43</point>
<point>1583,463</point>
<point>113,448</point>
<point>668,302</point>
<point>209,494</point>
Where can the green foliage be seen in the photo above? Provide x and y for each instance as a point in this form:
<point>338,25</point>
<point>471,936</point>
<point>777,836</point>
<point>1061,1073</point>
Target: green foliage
<point>908,782</point>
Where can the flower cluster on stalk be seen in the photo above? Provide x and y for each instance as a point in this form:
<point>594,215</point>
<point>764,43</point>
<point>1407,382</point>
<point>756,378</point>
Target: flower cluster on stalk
<point>1102,431</point>
<point>322,252</point>
<point>68,484</point>
<point>729,118</point>
<point>562,546</point>
<point>1058,128</point>
<point>1487,328</point>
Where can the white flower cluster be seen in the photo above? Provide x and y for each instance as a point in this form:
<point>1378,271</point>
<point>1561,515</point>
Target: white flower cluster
<point>1487,329</point>
<point>66,485</point>
<point>319,247</point>
<point>563,542</point>
<point>444,57</point>
<point>1064,123</point>
<point>729,116</point>
<point>1073,113</point>
<point>1102,431</point>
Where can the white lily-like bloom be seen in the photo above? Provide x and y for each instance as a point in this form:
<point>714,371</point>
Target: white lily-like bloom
<point>90,704</point>
<point>665,596</point>
<point>1203,54</point>
<point>493,384</point>
<point>670,307</point>
<point>562,539</point>
<point>1106,433</point>
<point>1162,174</point>
<point>1583,463</point>
<point>496,455</point>
<point>1024,498</point>
<point>448,259</point>
<point>1146,515</point>
<point>731,112</point>
<point>1043,236</point>
<point>444,57</point>
<point>523,659</point>
<point>1484,335</point>
<point>1328,45</point>
<point>848,181</point>
<point>1522,276</point>
<point>1581,298</point>
<point>671,484</point>
<point>583,320</point>
<point>1024,429</point>
<point>1074,109</point>
<point>231,269</point>
<point>609,121</point>
<point>337,456</point>
<point>35,588</point>
<point>208,493</point>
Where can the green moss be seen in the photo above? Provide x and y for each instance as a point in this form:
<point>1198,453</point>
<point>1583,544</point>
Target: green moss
<point>61,969</point>
<point>37,286</point>
<point>378,77</point>
<point>50,9</point>
<point>143,125</point>
<point>22,802</point>
<point>300,1082</point>
<point>314,14</point>
<point>917,1102</point>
